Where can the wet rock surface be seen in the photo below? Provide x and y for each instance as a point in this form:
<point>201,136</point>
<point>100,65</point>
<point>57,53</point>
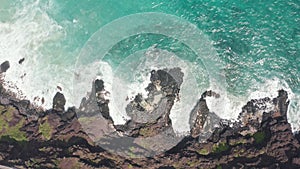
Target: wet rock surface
<point>34,138</point>
<point>59,102</point>
<point>4,66</point>
<point>149,115</point>
<point>21,60</point>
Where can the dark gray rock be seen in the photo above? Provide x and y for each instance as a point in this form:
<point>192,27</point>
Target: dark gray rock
<point>99,85</point>
<point>199,116</point>
<point>21,60</point>
<point>69,114</point>
<point>297,136</point>
<point>23,106</point>
<point>150,115</point>
<point>169,80</point>
<point>101,99</point>
<point>4,66</point>
<point>59,102</point>
<point>282,103</point>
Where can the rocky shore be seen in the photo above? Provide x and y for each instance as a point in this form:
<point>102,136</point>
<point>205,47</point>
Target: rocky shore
<point>34,138</point>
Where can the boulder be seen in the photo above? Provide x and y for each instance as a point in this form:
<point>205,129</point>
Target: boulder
<point>59,102</point>
<point>99,85</point>
<point>4,66</point>
<point>21,60</point>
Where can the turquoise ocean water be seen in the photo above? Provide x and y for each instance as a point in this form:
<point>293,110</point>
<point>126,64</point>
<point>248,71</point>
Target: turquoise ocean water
<point>257,41</point>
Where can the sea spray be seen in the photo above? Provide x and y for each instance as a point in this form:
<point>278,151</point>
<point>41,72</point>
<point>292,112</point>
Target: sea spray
<point>23,37</point>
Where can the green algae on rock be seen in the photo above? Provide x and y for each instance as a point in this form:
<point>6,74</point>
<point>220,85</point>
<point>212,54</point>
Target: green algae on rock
<point>45,129</point>
<point>9,126</point>
<point>259,136</point>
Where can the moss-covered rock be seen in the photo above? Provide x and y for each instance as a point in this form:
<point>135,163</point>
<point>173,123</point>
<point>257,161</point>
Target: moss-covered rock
<point>45,129</point>
<point>15,132</point>
<point>11,130</point>
<point>220,147</point>
<point>259,136</point>
<point>203,151</point>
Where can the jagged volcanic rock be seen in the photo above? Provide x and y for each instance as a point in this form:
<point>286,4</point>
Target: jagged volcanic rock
<point>150,115</point>
<point>35,138</point>
<point>59,102</point>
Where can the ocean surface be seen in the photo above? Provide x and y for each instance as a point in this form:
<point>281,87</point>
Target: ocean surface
<point>252,46</point>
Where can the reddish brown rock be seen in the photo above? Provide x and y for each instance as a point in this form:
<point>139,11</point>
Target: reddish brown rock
<point>272,145</point>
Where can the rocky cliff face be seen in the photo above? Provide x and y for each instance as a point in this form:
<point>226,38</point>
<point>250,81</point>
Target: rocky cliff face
<point>34,138</point>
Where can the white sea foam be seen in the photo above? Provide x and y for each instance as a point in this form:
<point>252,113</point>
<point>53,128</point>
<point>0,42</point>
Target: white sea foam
<point>161,24</point>
<point>270,88</point>
<point>84,77</point>
<point>226,106</point>
<point>23,37</point>
<point>132,77</point>
<point>229,106</point>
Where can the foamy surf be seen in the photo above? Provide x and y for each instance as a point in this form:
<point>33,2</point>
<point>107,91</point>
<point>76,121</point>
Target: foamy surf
<point>132,77</point>
<point>269,89</point>
<point>24,36</point>
<point>226,106</point>
<point>229,106</point>
<point>30,31</point>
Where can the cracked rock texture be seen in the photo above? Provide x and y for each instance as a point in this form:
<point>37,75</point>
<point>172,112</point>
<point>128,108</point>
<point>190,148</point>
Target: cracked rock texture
<point>34,138</point>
